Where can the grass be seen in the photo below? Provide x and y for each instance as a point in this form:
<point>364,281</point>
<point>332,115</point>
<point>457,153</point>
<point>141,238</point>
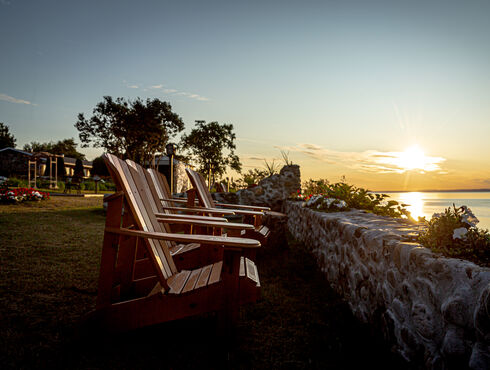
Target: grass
<point>49,256</point>
<point>74,192</point>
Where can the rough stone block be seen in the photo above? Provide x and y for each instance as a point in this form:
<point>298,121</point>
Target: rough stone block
<point>455,311</point>
<point>423,320</point>
<point>480,357</point>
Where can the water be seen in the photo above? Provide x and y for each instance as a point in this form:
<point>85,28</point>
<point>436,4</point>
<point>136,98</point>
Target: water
<point>426,204</point>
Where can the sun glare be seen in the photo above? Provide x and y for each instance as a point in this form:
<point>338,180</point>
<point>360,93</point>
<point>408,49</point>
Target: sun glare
<point>413,158</point>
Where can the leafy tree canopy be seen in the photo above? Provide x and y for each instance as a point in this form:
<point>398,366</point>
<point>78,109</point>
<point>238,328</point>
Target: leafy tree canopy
<point>207,144</point>
<point>78,171</point>
<point>99,167</point>
<point>132,129</point>
<point>68,147</point>
<point>6,138</point>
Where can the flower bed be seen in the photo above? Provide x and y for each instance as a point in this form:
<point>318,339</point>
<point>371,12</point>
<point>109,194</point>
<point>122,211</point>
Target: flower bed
<point>326,197</point>
<point>9,196</point>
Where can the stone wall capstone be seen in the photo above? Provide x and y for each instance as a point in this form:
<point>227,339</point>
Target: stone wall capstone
<point>435,311</point>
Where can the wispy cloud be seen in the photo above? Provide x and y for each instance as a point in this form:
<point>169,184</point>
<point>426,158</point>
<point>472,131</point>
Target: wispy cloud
<point>372,161</point>
<point>168,91</point>
<point>11,99</point>
<point>5,2</point>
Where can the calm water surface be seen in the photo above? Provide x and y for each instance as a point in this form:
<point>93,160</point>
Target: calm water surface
<point>426,204</point>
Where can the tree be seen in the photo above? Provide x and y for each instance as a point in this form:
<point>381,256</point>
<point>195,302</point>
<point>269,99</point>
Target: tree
<point>68,147</point>
<point>6,138</point>
<point>131,129</point>
<point>206,144</point>
<point>99,167</point>
<point>78,170</point>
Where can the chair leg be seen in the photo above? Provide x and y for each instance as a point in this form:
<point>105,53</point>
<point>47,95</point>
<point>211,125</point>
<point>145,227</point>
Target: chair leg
<point>231,310</point>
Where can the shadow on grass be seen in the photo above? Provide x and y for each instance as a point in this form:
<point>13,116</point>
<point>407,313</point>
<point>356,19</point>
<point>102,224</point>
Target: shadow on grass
<point>48,281</point>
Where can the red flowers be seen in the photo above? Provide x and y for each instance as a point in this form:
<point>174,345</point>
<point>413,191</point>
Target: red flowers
<point>21,195</point>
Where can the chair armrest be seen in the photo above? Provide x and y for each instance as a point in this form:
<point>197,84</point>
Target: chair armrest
<point>238,206</point>
<point>246,212</point>
<point>201,210</point>
<point>190,217</point>
<point>175,200</point>
<point>227,225</point>
<point>188,238</point>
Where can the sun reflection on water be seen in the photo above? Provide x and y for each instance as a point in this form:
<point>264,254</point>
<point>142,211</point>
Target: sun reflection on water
<point>415,203</point>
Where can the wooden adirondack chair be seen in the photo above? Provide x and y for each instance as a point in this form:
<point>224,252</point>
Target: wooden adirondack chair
<point>190,255</point>
<point>252,214</point>
<point>161,195</point>
<point>135,291</point>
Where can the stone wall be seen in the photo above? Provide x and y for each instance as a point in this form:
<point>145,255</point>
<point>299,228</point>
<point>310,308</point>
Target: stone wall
<point>270,192</point>
<point>433,310</point>
<point>181,181</point>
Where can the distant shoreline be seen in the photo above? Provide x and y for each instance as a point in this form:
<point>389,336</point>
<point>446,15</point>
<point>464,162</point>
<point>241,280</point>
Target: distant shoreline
<point>434,191</point>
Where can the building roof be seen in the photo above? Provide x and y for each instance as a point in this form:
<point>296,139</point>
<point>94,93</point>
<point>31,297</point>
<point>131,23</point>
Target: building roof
<point>15,150</point>
<point>72,161</point>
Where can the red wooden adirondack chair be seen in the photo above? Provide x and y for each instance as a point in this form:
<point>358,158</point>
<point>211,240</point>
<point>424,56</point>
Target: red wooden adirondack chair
<point>185,255</point>
<point>139,283</point>
<point>252,214</point>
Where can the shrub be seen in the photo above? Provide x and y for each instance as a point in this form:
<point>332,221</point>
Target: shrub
<point>14,182</point>
<point>61,186</point>
<point>89,185</point>
<point>327,197</point>
<point>454,234</point>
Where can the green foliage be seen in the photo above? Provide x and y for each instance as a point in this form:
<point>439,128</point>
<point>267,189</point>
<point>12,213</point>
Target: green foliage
<point>206,145</point>
<point>6,138</point>
<point>454,234</point>
<point>61,185</point>
<point>254,176</point>
<point>14,182</point>
<point>78,172</point>
<point>315,186</point>
<point>68,147</point>
<point>89,185</point>
<point>354,197</point>
<point>271,168</point>
<point>99,167</point>
<point>132,129</point>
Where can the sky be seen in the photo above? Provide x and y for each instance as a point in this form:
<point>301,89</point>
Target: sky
<point>393,95</point>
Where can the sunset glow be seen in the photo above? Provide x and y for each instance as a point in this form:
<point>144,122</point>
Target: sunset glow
<point>399,111</point>
<point>413,158</point>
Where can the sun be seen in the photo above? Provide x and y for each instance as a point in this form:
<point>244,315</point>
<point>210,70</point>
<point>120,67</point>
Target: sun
<point>413,158</point>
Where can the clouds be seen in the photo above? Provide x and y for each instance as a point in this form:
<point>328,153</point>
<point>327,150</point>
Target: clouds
<point>11,99</point>
<point>168,91</point>
<point>372,161</point>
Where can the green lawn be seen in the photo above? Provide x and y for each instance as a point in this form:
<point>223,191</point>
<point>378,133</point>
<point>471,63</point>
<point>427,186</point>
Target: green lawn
<point>49,258</point>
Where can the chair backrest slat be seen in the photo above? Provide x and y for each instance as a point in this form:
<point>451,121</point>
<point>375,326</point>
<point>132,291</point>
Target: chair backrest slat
<point>160,190</point>
<point>140,172</point>
<point>202,191</point>
<point>141,187</point>
<point>144,217</point>
<point>152,194</point>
